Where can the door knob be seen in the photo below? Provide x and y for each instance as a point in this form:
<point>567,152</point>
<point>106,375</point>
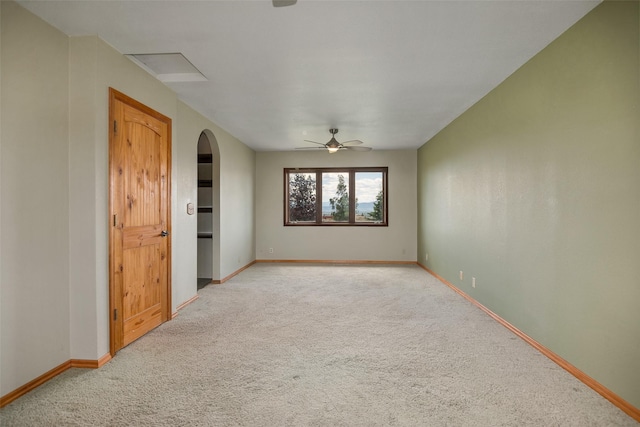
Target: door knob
<point>164,233</point>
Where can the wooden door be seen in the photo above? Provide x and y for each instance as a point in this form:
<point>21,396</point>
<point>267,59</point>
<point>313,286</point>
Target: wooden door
<point>140,238</point>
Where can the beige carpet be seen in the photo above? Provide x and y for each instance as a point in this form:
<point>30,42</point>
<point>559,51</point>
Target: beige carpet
<point>290,345</point>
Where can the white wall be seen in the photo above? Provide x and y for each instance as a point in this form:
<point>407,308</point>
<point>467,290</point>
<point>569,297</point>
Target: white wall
<point>0,198</point>
<point>83,323</point>
<point>94,67</point>
<point>397,242</point>
<point>237,203</point>
<point>34,335</point>
<point>234,227</point>
<point>54,191</point>
<point>233,233</point>
<point>114,70</point>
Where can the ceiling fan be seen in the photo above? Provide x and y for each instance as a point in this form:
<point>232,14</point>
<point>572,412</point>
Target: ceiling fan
<point>332,146</point>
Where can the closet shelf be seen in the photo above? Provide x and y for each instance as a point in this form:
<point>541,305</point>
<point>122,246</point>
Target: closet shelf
<point>205,235</point>
<point>205,158</point>
<point>205,209</point>
<point>204,183</point>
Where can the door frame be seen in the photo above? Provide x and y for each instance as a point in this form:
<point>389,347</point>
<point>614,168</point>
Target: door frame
<point>116,336</point>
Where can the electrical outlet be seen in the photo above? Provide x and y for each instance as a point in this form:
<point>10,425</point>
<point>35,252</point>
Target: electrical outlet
<point>426,257</point>
<point>270,250</point>
<point>473,282</point>
<point>461,275</point>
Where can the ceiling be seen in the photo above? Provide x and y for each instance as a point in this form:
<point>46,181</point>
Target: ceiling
<point>390,73</point>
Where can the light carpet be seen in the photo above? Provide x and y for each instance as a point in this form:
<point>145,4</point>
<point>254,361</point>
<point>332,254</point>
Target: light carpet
<point>322,345</point>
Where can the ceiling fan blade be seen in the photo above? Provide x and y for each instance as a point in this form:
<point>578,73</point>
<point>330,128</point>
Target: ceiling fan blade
<point>357,148</point>
<point>313,142</point>
<point>283,3</point>
<point>310,148</point>
<point>353,142</point>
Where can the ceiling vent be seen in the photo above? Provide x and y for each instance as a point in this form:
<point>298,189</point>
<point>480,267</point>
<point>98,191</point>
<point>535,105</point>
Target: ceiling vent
<point>168,67</point>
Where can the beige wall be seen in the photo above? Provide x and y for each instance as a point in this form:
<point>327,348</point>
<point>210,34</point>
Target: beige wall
<point>54,212</point>
<point>95,67</point>
<point>35,198</point>
<point>1,209</point>
<point>535,191</point>
<point>397,242</point>
<point>234,224</point>
<point>237,203</point>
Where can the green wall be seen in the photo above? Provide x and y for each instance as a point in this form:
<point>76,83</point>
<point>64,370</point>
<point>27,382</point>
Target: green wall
<point>535,192</point>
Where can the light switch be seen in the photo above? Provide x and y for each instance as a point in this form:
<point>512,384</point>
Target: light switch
<point>190,209</point>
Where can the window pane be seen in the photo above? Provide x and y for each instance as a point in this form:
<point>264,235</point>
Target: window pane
<point>350,196</point>
<point>369,197</point>
<point>335,197</point>
<point>302,197</point>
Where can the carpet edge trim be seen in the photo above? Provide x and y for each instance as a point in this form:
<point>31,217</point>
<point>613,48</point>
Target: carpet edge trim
<point>603,391</point>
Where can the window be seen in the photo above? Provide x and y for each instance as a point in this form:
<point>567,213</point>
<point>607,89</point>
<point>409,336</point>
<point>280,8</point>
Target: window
<point>335,196</point>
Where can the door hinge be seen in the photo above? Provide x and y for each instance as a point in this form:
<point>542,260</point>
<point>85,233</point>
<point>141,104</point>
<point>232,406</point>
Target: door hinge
<point>115,314</point>
<point>115,126</point>
<point>115,220</point>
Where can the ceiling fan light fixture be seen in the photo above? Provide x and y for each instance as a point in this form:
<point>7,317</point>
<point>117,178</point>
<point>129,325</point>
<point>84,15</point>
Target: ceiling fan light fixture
<point>333,145</point>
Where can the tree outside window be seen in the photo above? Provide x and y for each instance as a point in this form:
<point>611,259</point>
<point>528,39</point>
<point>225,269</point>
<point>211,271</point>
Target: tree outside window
<point>378,206</point>
<point>302,197</point>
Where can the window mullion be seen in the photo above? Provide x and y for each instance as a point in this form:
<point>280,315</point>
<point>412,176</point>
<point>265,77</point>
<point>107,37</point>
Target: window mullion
<point>352,196</point>
<point>385,200</point>
<point>287,197</point>
<point>318,197</point>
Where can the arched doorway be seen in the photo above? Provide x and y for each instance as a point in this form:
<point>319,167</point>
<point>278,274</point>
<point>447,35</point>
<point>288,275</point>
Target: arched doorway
<point>208,209</point>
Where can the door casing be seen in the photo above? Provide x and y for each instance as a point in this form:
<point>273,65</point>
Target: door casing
<point>116,332</point>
